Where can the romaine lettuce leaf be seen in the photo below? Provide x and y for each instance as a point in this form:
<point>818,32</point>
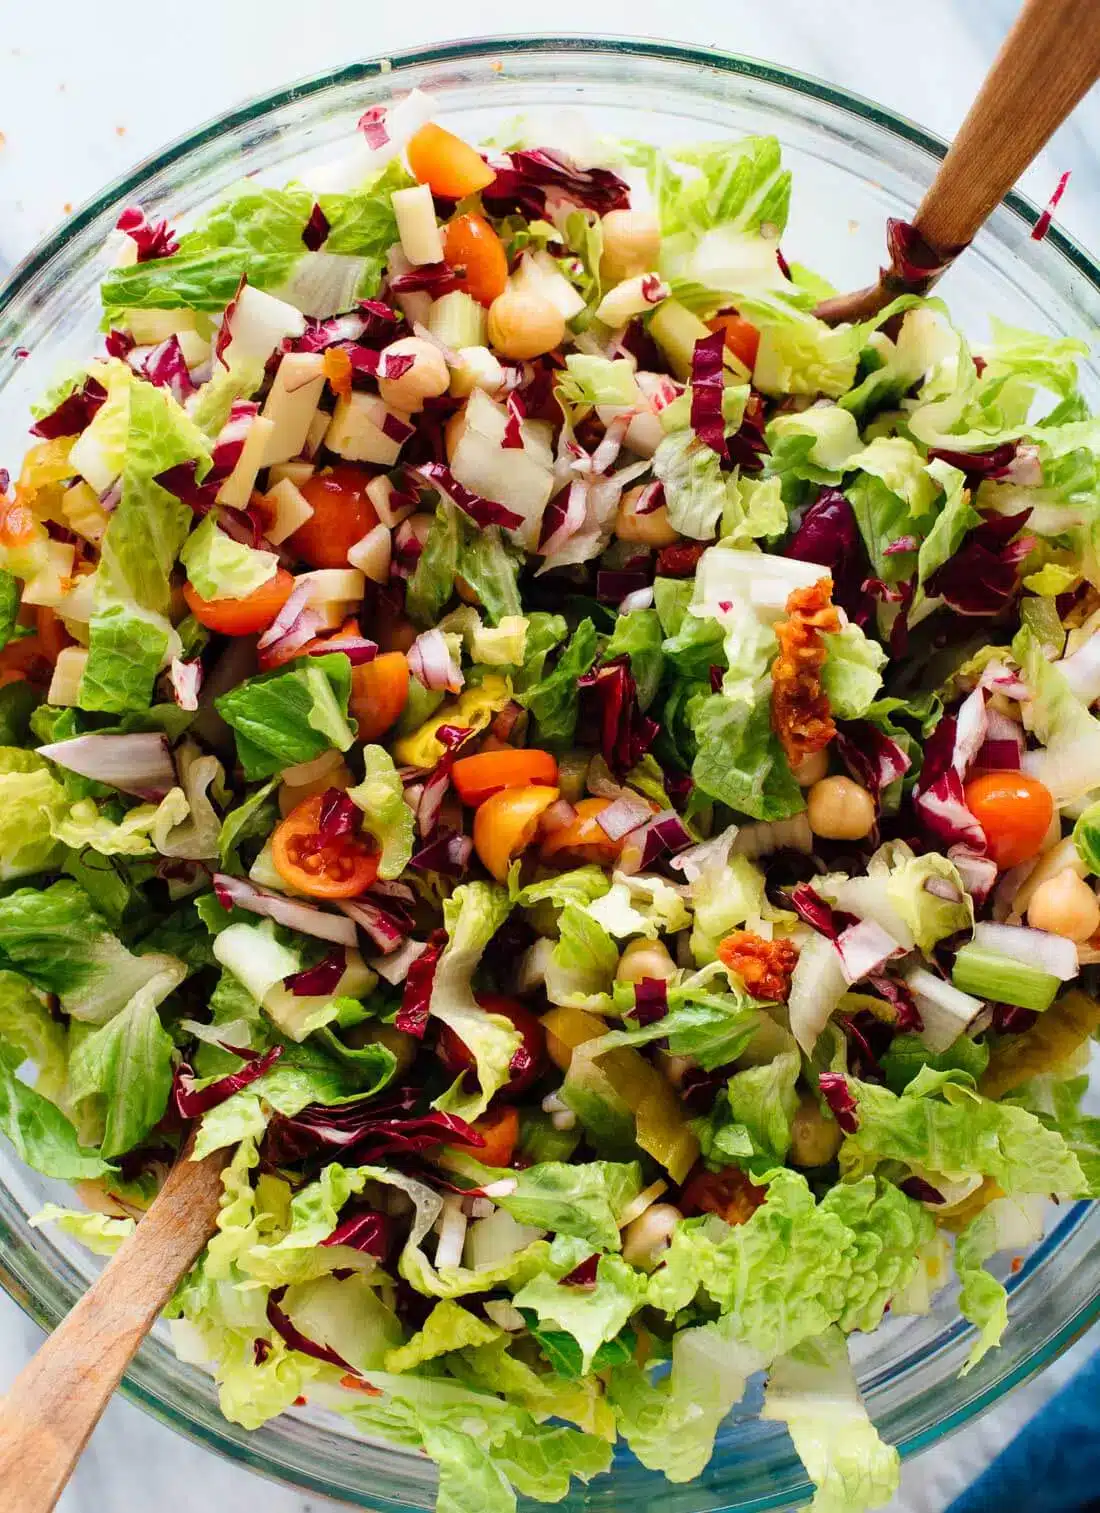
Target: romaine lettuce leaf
<point>290,715</point>
<point>852,675</point>
<point>739,759</point>
<point>386,815</point>
<point>38,1130</point>
<point>583,962</point>
<point>127,647</point>
<point>32,802</point>
<point>554,699</point>
<point>219,567</point>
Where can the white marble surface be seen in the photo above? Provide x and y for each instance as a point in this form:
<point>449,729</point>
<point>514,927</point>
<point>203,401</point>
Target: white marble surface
<point>86,91</point>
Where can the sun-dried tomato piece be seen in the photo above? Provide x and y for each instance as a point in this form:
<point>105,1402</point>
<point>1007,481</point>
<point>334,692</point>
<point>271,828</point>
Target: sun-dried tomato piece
<point>764,966</point>
<point>681,560</point>
<point>800,709</point>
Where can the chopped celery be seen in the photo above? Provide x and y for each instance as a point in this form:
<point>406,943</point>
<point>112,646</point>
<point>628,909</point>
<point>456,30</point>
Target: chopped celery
<point>457,320</point>
<point>1002,980</point>
<point>676,330</point>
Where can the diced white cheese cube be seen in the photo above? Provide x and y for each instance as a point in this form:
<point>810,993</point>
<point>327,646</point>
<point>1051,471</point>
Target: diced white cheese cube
<point>292,403</point>
<point>380,493</point>
<point>328,585</point>
<point>414,212</point>
<point>83,512</point>
<point>67,673</point>
<point>371,554</point>
<point>297,471</point>
<point>539,274</point>
<point>195,348</point>
<point>478,368</point>
<point>291,510</point>
<point>237,488</point>
<point>318,430</point>
<point>49,586</point>
<point>356,430</point>
<point>150,327</point>
<point>258,323</point>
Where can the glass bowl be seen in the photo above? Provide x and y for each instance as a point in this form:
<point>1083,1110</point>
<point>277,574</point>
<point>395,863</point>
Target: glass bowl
<point>854,163</point>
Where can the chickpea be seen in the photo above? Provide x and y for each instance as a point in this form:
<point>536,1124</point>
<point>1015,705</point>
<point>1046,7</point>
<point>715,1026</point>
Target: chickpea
<point>404,1047</point>
<point>840,810</point>
<point>815,1139</point>
<point>645,958</point>
<point>811,769</point>
<point>522,325</point>
<point>646,1238</point>
<point>631,244</point>
<point>428,377</point>
<point>1065,905</point>
<point>652,529</point>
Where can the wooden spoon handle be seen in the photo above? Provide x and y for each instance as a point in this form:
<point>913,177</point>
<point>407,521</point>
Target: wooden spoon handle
<point>1046,64</point>
<point>58,1397</point>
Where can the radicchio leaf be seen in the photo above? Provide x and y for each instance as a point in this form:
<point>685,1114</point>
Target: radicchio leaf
<point>835,1091</point>
<point>982,577</point>
<point>152,238</point>
<point>74,413</point>
<point>539,174</point>
<point>873,759</point>
<point>368,1128</point>
<point>412,1016</point>
<point>829,536</point>
<point>482,511</point>
<point>626,734</point>
<point>191,1102</point>
<point>706,392</point>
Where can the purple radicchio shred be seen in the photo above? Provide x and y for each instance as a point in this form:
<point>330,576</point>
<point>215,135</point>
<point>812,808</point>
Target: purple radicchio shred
<point>914,265</point>
<point>481,511</point>
<point>626,734</point>
<point>446,852</point>
<point>982,577</point>
<point>922,1191</point>
<point>829,536</point>
<point>316,229</point>
<point>339,815</point>
<point>873,759</point>
<point>897,994</point>
<point>74,414</point>
<point>748,447</point>
<point>191,1102</point>
<point>412,1016</point>
<point>368,1231</point>
<point>365,1126</point>
<point>837,1094</point>
<point>706,392</point>
<point>613,584</point>
<point>539,174</point>
<point>1042,225</point>
<point>868,1039</point>
<point>583,1275</point>
<point>429,278</point>
<point>319,979</point>
<point>650,1001</point>
<point>153,239</point>
<point>283,1325</point>
<point>812,909</point>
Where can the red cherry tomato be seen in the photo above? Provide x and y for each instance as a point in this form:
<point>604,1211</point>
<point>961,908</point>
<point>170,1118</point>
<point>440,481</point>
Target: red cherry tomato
<point>1015,812</point>
<point>342,515</point>
<point>339,868</point>
<point>529,1059</point>
<point>242,617</point>
<point>728,1193</point>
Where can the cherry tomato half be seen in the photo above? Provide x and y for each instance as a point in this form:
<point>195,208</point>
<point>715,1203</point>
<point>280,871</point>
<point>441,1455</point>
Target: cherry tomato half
<point>379,693</point>
<point>728,1193</point>
<point>242,617</point>
<point>741,336</point>
<point>499,1129</point>
<point>583,840</point>
<point>340,868</point>
<point>476,778</point>
<point>527,1063</point>
<point>1015,812</point>
<point>470,242</point>
<point>342,515</point>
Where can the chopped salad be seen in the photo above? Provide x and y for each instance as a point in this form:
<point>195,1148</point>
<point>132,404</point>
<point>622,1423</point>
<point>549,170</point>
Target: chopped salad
<point>576,777</point>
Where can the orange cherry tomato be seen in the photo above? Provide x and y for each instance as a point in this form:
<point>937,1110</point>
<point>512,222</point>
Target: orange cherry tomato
<point>477,778</point>
<point>507,823</point>
<point>470,242</point>
<point>33,657</point>
<point>526,1065</point>
<point>741,337</point>
<point>499,1128</point>
<point>449,166</point>
<point>342,515</point>
<point>341,868</point>
<point>583,840</point>
<point>379,693</point>
<point>242,617</point>
<point>728,1193</point>
<point>1015,812</point>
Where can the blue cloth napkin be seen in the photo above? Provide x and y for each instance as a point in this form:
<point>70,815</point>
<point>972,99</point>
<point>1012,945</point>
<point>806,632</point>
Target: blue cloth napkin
<point>1053,1465</point>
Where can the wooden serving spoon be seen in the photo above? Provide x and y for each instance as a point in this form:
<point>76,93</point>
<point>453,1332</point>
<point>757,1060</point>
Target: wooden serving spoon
<point>58,1398</point>
<point>1047,64</point>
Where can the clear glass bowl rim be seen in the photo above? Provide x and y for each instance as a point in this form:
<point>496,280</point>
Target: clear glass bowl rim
<point>391,64</point>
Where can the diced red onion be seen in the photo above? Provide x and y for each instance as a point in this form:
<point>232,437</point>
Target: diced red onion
<point>979,873</point>
<point>640,598</point>
<point>285,619</point>
<point>357,649</point>
<point>139,764</point>
<point>308,918</point>
<point>447,853</point>
<point>386,932</point>
<point>622,816</point>
<point>651,498</point>
<point>430,662</point>
<point>186,680</point>
<point>559,816</point>
<point>339,815</point>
